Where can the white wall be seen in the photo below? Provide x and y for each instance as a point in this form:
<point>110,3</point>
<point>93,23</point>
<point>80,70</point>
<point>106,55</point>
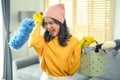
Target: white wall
<point>116,29</point>
<point>22,5</point>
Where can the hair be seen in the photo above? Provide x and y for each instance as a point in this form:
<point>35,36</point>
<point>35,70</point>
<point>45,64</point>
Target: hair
<point>63,34</point>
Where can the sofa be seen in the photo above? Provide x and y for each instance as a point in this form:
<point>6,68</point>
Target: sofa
<point>28,68</point>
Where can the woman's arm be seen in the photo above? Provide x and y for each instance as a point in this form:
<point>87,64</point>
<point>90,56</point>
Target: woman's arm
<point>75,61</point>
<point>34,36</point>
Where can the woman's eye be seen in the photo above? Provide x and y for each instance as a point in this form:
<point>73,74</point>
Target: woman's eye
<point>51,23</point>
<point>45,23</point>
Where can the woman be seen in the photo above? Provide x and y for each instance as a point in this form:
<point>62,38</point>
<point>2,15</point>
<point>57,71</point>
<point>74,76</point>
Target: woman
<point>58,49</point>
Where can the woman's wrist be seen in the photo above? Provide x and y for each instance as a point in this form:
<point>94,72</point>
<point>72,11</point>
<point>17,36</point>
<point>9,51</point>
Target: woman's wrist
<point>38,24</point>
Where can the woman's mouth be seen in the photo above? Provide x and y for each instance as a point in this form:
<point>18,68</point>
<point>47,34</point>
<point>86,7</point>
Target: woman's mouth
<point>51,32</point>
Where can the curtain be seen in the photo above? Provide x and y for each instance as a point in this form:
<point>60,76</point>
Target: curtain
<point>7,72</point>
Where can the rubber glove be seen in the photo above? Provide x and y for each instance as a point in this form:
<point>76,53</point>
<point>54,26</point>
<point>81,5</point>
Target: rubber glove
<point>85,41</point>
<point>37,17</point>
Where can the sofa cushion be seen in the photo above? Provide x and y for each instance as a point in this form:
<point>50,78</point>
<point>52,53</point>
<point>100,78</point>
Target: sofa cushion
<point>78,76</point>
<point>98,78</point>
<point>112,71</point>
<point>32,72</point>
<point>25,61</point>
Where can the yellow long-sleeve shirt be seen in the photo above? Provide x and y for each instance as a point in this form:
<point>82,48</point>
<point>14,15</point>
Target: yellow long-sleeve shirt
<point>56,60</point>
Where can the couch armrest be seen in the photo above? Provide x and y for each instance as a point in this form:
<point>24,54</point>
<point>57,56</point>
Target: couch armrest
<point>23,62</point>
<point>26,61</point>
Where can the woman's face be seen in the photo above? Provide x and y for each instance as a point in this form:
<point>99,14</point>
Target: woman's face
<point>51,26</point>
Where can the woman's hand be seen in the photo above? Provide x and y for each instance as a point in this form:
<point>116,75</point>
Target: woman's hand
<point>37,17</point>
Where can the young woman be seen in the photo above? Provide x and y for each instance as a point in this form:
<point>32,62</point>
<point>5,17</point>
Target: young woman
<point>57,49</point>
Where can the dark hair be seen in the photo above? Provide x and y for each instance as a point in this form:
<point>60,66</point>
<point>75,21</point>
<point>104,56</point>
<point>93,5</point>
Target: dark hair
<point>63,34</point>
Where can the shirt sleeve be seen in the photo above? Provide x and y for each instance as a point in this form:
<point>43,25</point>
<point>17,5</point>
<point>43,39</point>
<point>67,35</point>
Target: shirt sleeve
<point>75,61</point>
<point>36,40</point>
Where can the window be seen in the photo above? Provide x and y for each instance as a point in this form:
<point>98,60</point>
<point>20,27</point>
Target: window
<point>88,17</point>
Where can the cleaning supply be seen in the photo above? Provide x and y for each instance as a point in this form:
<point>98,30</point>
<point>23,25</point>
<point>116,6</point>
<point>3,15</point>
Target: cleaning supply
<point>37,17</point>
<point>108,45</point>
<point>85,41</point>
<point>21,35</point>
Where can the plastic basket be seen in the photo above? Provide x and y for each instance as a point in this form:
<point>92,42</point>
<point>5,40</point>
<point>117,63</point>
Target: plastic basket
<point>92,64</point>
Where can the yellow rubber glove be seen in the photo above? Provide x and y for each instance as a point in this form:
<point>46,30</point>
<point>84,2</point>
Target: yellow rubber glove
<point>37,17</point>
<point>85,41</point>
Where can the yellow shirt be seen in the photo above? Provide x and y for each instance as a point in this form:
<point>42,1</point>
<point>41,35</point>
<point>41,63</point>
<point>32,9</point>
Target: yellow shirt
<point>56,60</point>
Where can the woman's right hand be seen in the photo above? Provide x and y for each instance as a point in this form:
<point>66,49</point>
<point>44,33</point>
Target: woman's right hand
<point>37,17</point>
